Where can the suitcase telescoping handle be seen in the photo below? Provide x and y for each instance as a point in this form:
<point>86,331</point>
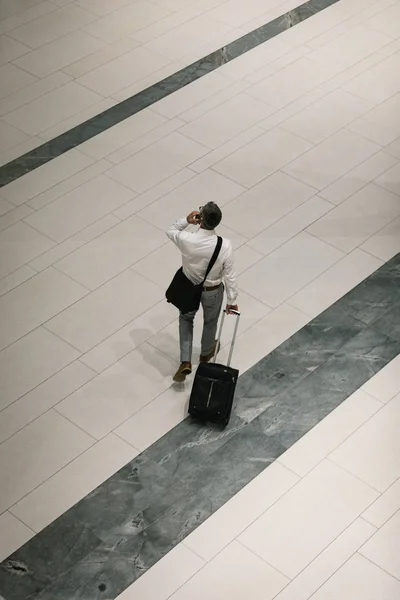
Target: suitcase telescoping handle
<point>236,313</point>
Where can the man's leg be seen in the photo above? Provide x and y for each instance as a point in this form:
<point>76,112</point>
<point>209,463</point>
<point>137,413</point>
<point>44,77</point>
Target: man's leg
<point>186,335</point>
<point>212,303</point>
<point>186,343</point>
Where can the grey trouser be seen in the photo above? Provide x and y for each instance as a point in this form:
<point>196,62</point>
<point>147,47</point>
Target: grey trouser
<point>211,302</point>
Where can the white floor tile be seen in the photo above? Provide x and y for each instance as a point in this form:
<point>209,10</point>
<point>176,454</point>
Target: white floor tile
<point>112,252</point>
<point>78,240</point>
<point>276,66</point>
<point>355,220</point>
<point>217,99</point>
<point>245,257</point>
<point>15,278</point>
<point>394,148</point>
<point>20,244</point>
<point>53,107</point>
<point>58,54</point>
<point>335,282</point>
<point>227,120</point>
<point>373,452</point>
<point>238,513</point>
<point>386,383</point>
<point>15,15</point>
<point>120,391</point>
<point>73,482</point>
<point>13,79</point>
<point>10,49</point>
<point>14,216</point>
<point>158,417</point>
<point>327,563</point>
<point>37,452</point>
<point>123,133</point>
<point>329,433</point>
<point>204,187</point>
<point>234,573</point>
<point>357,178</point>
<point>70,183</point>
<point>326,116</point>
<point>288,269</point>
<point>52,26</point>
<point>79,208</point>
<point>354,45</point>
<point>210,159</point>
<point>381,124</point>
<point>378,83</point>
<point>390,179</point>
<point>385,506</point>
<point>386,243</point>
<point>167,576</point>
<point>43,397</point>
<point>359,578</point>
<point>331,159</point>
<point>34,302</point>
<point>5,206</point>
<point>119,73</point>
<point>235,13</point>
<point>146,140</point>
<point>101,57</point>
<point>13,534</point>
<point>155,193</point>
<point>130,336</point>
<point>126,20</point>
<point>188,37</point>
<point>42,355</point>
<point>104,311</point>
<point>266,203</point>
<point>169,155</point>
<point>27,187</point>
<point>291,82</point>
<point>32,91</point>
<point>10,136</point>
<point>261,157</point>
<point>290,225</point>
<point>385,21</point>
<point>308,518</point>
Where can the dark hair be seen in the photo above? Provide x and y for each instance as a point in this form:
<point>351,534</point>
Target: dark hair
<point>211,215</point>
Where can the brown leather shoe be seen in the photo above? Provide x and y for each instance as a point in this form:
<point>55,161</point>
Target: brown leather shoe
<point>185,369</point>
<point>205,358</point>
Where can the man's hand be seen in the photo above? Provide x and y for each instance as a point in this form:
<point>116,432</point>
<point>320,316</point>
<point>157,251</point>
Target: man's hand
<point>192,218</point>
<point>230,308</point>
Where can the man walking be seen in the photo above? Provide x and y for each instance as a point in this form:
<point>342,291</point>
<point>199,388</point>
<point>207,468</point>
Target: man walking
<point>197,248</point>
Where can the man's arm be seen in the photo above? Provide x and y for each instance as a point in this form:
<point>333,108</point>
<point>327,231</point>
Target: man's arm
<point>230,279</point>
<point>176,229</point>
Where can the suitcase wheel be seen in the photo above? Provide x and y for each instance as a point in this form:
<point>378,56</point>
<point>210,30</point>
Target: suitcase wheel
<point>224,423</point>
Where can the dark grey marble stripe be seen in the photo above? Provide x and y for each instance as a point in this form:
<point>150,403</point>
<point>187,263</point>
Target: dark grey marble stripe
<point>110,117</point>
<point>110,538</point>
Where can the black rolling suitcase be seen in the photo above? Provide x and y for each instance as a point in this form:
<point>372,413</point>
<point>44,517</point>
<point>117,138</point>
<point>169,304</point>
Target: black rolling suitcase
<point>214,387</point>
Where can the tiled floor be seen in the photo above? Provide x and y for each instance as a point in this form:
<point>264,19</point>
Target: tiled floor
<point>299,141</point>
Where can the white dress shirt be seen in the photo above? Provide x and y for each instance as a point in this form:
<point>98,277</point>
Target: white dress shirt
<point>197,248</point>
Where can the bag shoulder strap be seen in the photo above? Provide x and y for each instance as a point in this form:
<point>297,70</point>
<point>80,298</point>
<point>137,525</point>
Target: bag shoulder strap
<point>213,258</point>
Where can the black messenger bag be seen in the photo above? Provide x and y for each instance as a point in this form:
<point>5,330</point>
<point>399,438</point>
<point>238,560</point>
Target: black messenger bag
<point>186,295</point>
